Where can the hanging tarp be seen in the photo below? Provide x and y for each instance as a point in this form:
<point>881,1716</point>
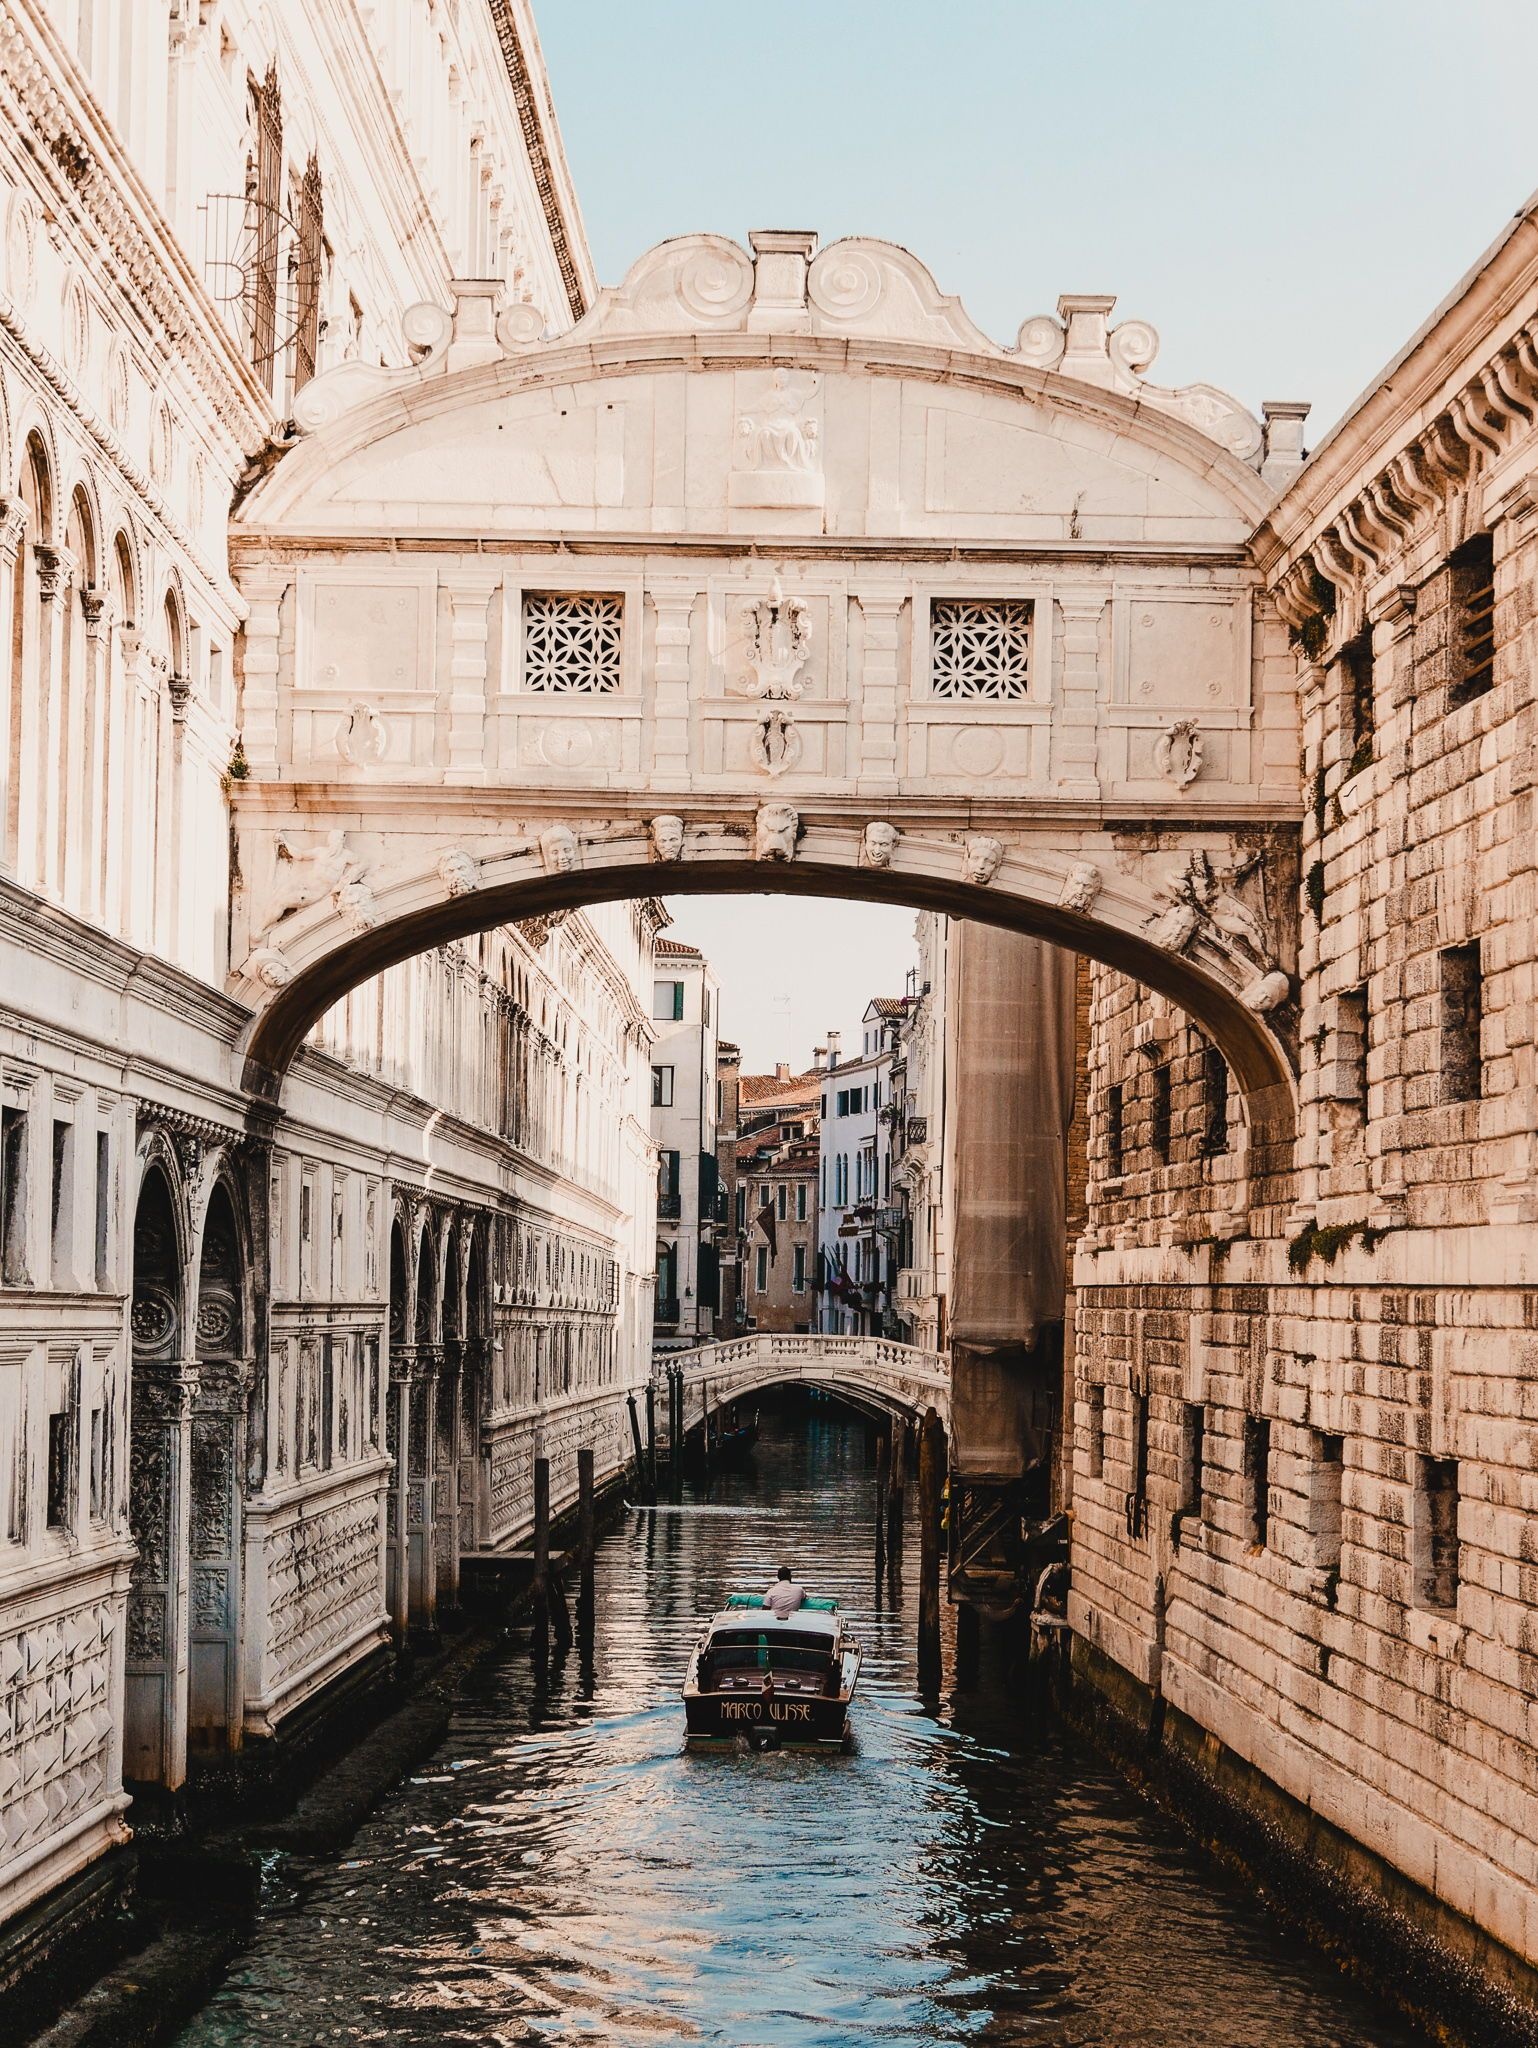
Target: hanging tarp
<point>1011,1083</point>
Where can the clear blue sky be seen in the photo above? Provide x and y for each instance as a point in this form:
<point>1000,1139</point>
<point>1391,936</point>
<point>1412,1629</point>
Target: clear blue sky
<point>1284,188</point>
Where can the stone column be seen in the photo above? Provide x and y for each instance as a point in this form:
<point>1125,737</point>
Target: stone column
<point>1076,717</point>
<point>421,1488</point>
<point>131,821</point>
<point>13,523</point>
<point>155,1747</point>
<point>672,605</point>
<point>91,827</point>
<point>469,608</point>
<point>41,786</point>
<point>880,683</point>
<point>398,1518</point>
<point>217,1454</point>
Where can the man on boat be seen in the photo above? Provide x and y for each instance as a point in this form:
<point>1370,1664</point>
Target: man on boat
<point>784,1595</point>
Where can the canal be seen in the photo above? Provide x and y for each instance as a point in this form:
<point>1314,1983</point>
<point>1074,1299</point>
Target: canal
<point>561,1871</point>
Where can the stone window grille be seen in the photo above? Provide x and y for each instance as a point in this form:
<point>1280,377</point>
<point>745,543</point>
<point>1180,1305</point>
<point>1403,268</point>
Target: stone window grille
<point>1358,715</point>
<point>1161,1114</point>
<point>1328,1471</point>
<point>571,644</point>
<point>980,648</point>
<point>1434,1534</point>
<point>1214,1102</point>
<point>1257,1477</point>
<point>1471,655</point>
<point>1462,1023</point>
<point>1193,1433</point>
<point>1094,1428</point>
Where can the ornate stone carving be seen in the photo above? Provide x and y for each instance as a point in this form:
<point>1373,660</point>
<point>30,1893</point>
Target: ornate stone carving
<point>1178,752</point>
<point>152,1319</point>
<point>779,641</point>
<point>1081,885</point>
<point>774,832</point>
<point>268,966</point>
<point>356,907</point>
<point>363,737</point>
<point>776,746</point>
<point>778,434</point>
<point>667,837</point>
<point>1201,897</point>
<point>982,858</point>
<point>878,843</point>
<point>1267,992</point>
<point>55,568</point>
<point>305,875</point>
<point>560,850</point>
<point>459,871</point>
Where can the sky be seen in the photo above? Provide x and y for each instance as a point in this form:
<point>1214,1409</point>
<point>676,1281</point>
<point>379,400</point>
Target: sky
<point>1284,188</point>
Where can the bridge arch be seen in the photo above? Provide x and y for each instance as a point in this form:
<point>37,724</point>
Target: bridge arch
<point>875,1373</point>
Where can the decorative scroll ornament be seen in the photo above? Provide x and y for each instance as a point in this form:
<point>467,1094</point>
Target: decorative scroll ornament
<point>1081,886</point>
<point>459,872</point>
<point>878,843</point>
<point>560,851</point>
<point>774,832</point>
<point>1178,754</point>
<point>362,737</point>
<point>776,745</point>
<point>667,836</point>
<point>982,859</point>
<point>779,641</point>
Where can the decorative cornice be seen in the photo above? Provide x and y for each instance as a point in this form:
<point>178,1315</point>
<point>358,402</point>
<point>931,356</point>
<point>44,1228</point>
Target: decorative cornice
<point>541,160</point>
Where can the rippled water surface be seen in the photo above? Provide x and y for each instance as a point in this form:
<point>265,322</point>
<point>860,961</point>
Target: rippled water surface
<point>562,1871</point>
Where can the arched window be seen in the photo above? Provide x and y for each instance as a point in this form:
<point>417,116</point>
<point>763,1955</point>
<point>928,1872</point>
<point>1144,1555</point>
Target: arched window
<point>27,678</point>
<point>78,760</point>
<point>176,636</point>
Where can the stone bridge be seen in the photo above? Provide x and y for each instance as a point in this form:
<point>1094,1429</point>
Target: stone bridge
<point>869,1372</point>
<point>775,573</point>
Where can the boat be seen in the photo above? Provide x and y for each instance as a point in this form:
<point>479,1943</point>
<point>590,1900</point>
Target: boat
<point>780,1684</point>
<point>735,1446</point>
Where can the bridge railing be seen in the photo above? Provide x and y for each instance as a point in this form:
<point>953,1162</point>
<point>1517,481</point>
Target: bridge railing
<point>892,1374</point>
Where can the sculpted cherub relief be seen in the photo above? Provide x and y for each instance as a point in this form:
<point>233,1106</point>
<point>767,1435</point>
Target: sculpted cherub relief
<point>1199,896</point>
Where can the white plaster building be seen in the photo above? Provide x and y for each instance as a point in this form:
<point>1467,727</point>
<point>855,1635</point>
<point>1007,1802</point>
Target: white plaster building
<point>263,1379</point>
<point>922,1136</point>
<point>684,1093</point>
<point>856,1221</point>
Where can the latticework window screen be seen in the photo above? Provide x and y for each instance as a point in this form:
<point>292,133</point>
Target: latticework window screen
<point>980,647</point>
<point>571,643</point>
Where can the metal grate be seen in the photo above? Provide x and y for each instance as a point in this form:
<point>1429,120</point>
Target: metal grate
<point>980,649</point>
<point>571,645</point>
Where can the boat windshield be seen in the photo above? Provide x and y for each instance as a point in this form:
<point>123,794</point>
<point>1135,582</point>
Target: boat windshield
<point>736,1649</point>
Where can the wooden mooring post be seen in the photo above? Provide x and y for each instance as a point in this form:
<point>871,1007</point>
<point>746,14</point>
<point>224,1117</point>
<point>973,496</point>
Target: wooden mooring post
<point>635,1438</point>
<point>651,1438</point>
<point>676,1431</point>
<point>541,1588</point>
<point>894,1497</point>
<point>931,1508</point>
<point>587,1541</point>
<point>883,1463</point>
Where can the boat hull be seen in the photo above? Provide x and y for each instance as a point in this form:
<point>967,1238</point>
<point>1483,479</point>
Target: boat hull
<point>770,1723</point>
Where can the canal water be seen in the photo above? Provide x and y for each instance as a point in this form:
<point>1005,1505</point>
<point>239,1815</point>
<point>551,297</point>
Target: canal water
<point>562,1871</point>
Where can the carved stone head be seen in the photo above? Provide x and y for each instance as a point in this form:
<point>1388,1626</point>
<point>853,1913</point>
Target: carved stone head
<point>268,966</point>
<point>559,850</point>
<point>878,844</point>
<point>356,906</point>
<point>774,832</point>
<point>667,835</point>
<point>459,872</point>
<point>983,858</point>
<point>1081,886</point>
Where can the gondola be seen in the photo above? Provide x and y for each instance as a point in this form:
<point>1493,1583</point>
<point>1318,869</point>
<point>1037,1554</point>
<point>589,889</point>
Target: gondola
<point>735,1446</point>
<point>779,1684</point>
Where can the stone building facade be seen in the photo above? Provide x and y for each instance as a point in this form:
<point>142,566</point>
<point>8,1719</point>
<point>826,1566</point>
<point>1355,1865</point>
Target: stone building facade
<point>774,1198</point>
<point>691,1215</point>
<point>264,1378</point>
<point>1303,1492</point>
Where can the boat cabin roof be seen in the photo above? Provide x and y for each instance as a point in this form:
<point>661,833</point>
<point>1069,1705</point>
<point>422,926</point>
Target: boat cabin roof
<point>815,1618</point>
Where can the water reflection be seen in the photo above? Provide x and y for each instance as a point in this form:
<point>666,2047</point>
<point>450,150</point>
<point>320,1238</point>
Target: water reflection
<point>563,1872</point>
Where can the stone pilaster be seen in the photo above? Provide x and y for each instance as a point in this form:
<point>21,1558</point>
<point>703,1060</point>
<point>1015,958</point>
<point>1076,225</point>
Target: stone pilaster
<point>672,605</point>
<point>468,681</point>
<point>13,523</point>
<point>879,690</point>
<point>1075,724</point>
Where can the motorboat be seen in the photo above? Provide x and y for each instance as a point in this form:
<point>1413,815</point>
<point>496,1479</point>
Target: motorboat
<point>777,1683</point>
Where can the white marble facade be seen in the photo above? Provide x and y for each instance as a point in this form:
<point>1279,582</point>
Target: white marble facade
<point>261,1383</point>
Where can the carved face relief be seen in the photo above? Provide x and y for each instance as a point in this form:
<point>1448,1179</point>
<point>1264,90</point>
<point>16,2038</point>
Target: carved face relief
<point>1175,930</point>
<point>559,850</point>
<point>1268,992</point>
<point>356,906</point>
<point>667,836</point>
<point>983,859</point>
<point>459,872</point>
<point>878,843</point>
<point>268,966</point>
<point>774,832</point>
<point>1081,886</point>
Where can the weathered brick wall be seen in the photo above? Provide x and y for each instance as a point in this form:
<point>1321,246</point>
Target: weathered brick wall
<point>1346,1591</point>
